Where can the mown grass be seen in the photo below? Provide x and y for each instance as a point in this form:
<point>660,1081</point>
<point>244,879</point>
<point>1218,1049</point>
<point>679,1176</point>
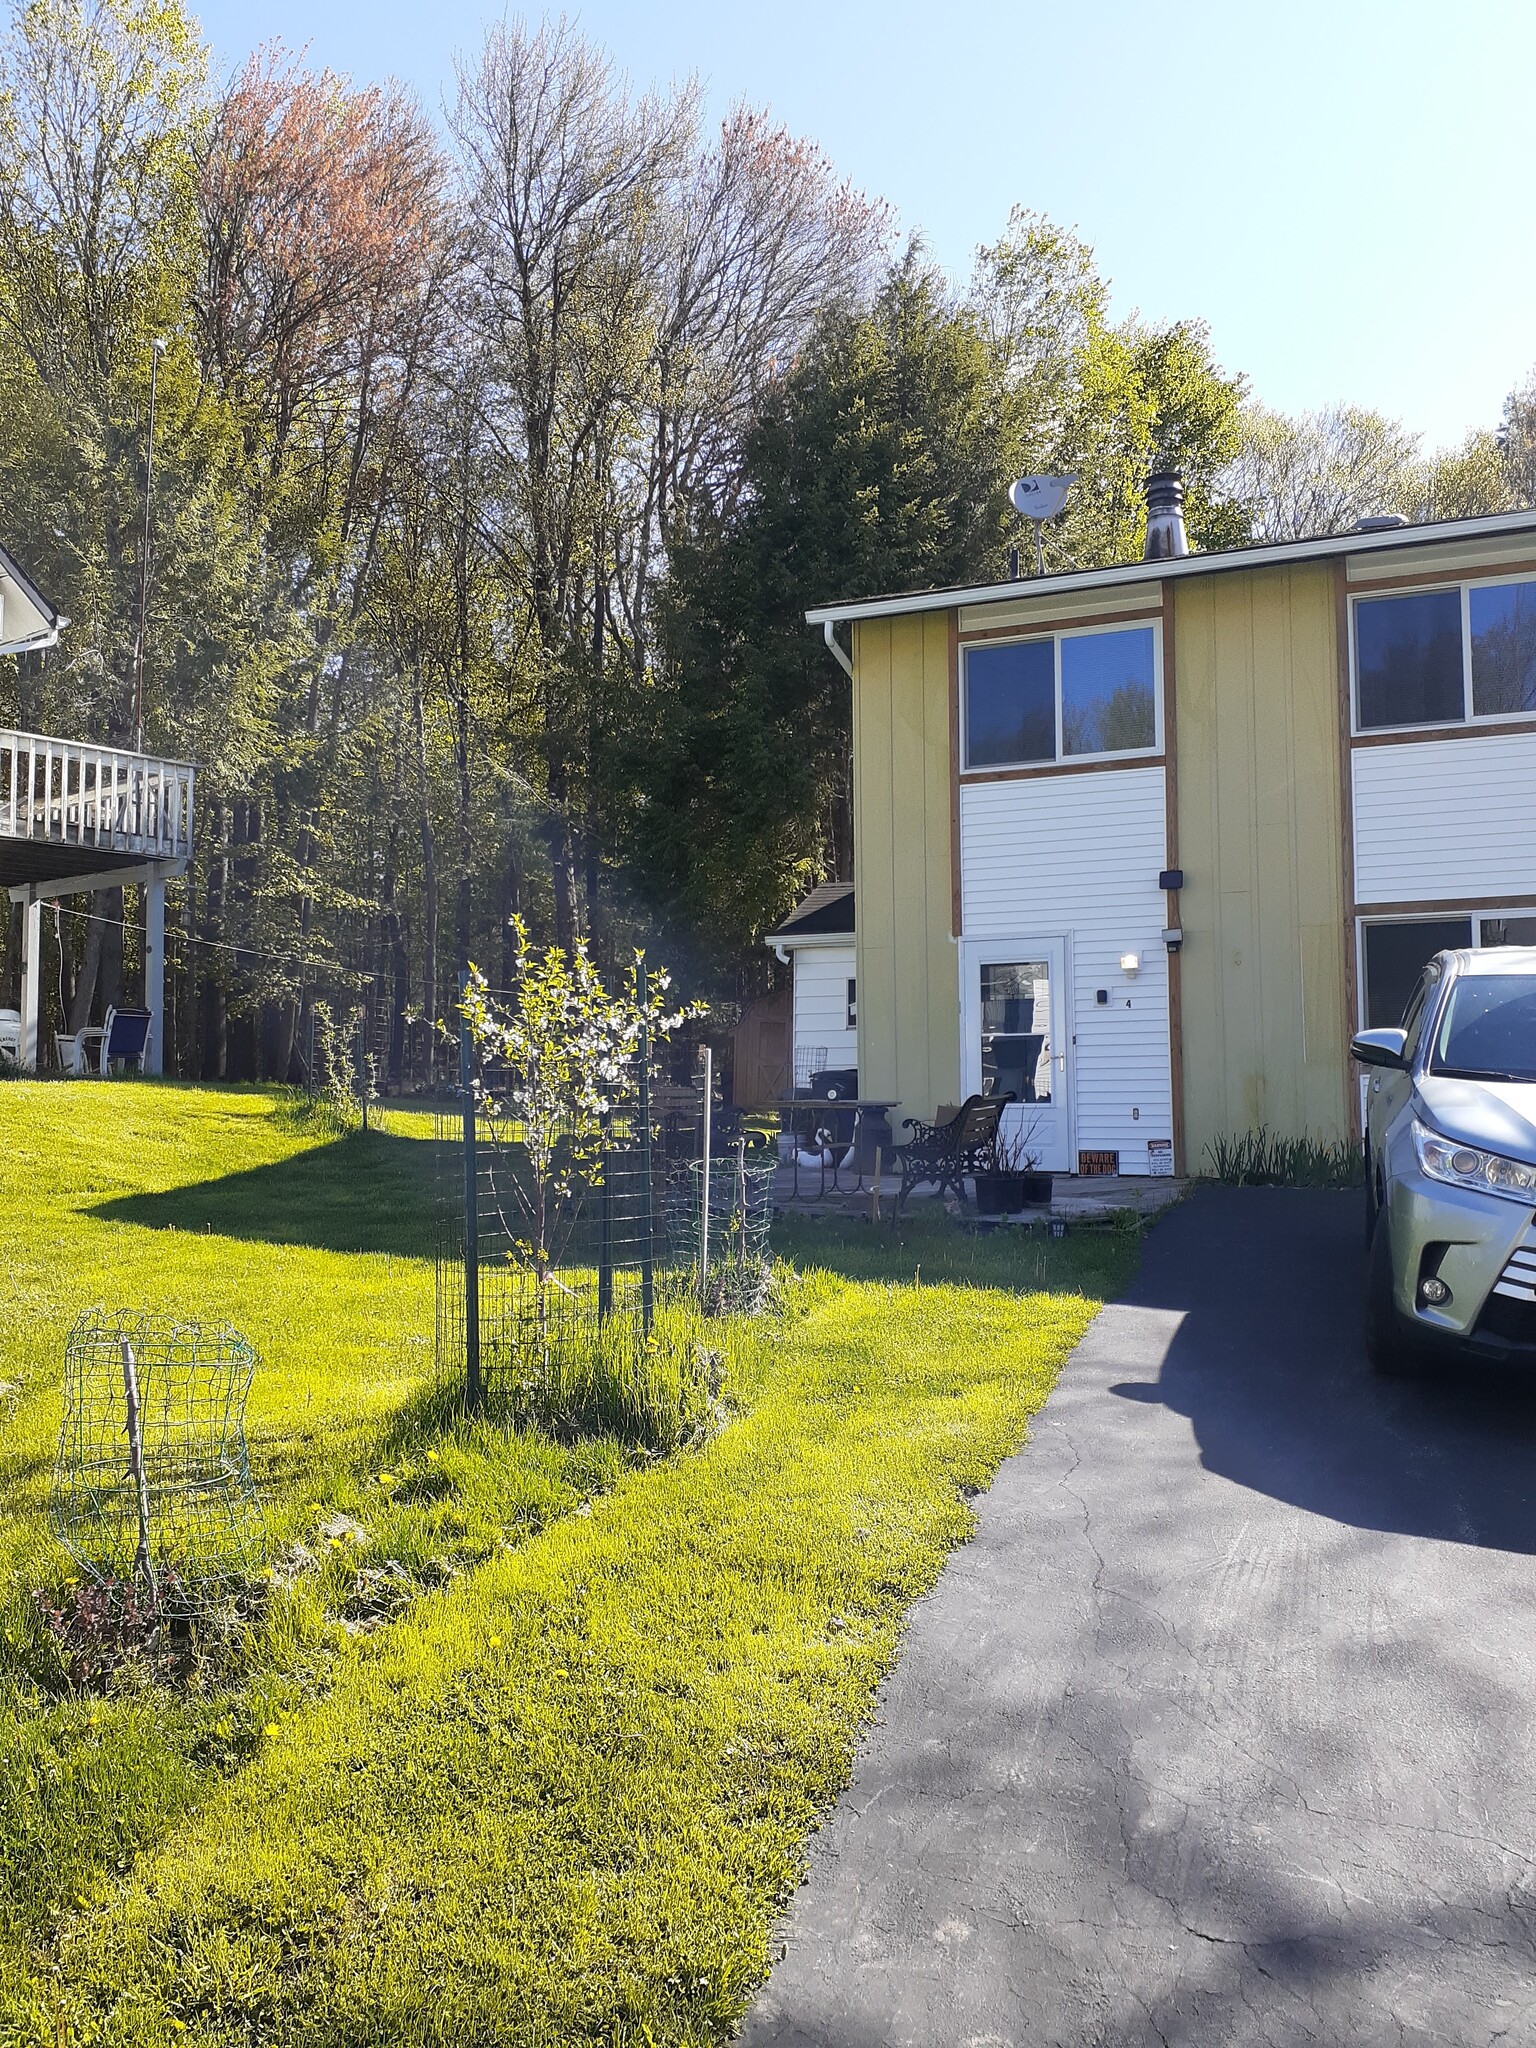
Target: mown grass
<point>561,1797</point>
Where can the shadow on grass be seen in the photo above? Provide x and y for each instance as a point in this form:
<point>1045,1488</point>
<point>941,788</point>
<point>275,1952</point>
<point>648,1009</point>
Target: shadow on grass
<point>365,1192</point>
<point>928,1247</point>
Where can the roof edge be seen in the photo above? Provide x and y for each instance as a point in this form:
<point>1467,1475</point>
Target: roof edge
<point>1488,525</point>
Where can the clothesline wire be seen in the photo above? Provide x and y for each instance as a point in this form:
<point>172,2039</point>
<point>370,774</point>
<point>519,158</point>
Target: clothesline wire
<point>186,938</point>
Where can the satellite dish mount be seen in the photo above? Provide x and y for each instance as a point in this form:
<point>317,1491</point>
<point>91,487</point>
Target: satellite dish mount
<point>1040,498</point>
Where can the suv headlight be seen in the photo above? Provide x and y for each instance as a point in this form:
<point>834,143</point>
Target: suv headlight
<point>1464,1166</point>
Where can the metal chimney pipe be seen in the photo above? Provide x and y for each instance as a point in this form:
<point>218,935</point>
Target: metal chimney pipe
<point>1165,516</point>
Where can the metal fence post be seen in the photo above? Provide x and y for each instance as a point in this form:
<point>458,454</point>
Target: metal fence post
<point>707,1062</point>
<point>648,1236</point>
<point>362,1060</point>
<point>605,1228</point>
<point>472,1383</point>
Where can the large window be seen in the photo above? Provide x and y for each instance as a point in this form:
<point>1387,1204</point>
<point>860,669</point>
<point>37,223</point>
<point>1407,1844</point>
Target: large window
<point>1075,695</point>
<point>1397,949</point>
<point>1395,956</point>
<point>1447,656</point>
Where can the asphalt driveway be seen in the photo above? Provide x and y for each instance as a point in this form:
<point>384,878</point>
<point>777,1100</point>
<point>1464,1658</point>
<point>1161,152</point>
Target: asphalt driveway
<point>1223,1730</point>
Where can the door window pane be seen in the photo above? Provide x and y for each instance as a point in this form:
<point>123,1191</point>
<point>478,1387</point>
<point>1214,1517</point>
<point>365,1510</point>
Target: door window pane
<point>1395,955</point>
<point>1508,931</point>
<point>1503,648</point>
<point>1010,703</point>
<point>1108,697</point>
<point>1016,1030</point>
<point>1408,659</point>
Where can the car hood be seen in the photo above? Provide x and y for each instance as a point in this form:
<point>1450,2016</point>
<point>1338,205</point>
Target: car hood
<point>1498,1116</point>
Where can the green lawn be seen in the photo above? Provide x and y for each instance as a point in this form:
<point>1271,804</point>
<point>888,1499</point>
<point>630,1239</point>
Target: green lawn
<point>560,1796</point>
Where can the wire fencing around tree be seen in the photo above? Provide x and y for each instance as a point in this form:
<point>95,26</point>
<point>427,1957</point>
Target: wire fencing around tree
<point>720,1223</point>
<point>570,1290</point>
<point>153,1480</point>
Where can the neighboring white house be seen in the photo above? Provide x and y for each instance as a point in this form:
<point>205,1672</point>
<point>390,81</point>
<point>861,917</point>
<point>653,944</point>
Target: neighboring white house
<point>817,938</point>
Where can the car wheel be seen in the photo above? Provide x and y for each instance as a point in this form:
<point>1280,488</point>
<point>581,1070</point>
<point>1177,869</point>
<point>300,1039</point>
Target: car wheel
<point>1392,1348</point>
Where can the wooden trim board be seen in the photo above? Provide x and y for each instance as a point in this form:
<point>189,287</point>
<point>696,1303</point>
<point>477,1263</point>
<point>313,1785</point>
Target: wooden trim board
<point>1101,766</point>
<point>1341,595</point>
<point>955,905</point>
<point>1038,629</point>
<point>1171,901</point>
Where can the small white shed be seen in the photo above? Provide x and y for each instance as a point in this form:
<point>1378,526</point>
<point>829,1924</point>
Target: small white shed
<point>817,938</point>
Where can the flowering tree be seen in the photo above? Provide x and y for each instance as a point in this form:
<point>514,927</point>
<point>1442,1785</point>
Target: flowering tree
<point>569,1049</point>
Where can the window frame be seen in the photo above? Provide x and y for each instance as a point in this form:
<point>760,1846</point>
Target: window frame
<point>1062,760</point>
<point>1479,914</point>
<point>1470,718</point>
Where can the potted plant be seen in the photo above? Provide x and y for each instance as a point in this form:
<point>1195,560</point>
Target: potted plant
<point>1013,1180</point>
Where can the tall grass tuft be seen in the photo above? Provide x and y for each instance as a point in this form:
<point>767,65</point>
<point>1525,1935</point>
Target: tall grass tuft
<point>583,1377</point>
<point>1263,1159</point>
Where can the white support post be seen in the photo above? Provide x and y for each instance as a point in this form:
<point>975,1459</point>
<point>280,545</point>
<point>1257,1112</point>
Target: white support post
<point>31,982</point>
<point>154,975</point>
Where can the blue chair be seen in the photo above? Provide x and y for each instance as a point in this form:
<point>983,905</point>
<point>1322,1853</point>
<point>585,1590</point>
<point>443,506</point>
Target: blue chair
<point>125,1039</point>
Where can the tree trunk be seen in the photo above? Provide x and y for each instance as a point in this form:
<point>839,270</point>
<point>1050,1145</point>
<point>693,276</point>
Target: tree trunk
<point>10,965</point>
<point>90,967</point>
<point>466,828</point>
<point>110,906</point>
<point>429,881</point>
<point>215,1030</point>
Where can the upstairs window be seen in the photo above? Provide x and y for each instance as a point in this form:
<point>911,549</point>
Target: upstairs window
<point>1010,703</point>
<point>1408,659</point>
<point>1073,696</point>
<point>1446,657</point>
<point>1502,617</point>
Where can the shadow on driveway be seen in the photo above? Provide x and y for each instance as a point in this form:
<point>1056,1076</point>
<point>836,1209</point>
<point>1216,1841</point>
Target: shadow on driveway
<point>1268,1366</point>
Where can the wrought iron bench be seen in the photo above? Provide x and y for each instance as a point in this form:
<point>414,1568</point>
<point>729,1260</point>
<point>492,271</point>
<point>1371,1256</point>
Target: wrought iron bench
<point>946,1152</point>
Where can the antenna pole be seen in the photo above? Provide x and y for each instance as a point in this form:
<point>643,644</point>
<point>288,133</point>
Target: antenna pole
<point>1039,547</point>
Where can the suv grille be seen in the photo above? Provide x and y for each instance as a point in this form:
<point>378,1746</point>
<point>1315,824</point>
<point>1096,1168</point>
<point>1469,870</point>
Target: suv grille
<point>1509,1313</point>
<point>1518,1279</point>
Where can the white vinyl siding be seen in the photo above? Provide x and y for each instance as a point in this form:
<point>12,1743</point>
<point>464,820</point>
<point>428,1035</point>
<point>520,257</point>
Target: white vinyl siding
<point>822,975</point>
<point>1080,855</point>
<point>1446,821</point>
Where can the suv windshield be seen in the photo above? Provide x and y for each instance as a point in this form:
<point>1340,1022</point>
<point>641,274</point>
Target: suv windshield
<point>1488,1029</point>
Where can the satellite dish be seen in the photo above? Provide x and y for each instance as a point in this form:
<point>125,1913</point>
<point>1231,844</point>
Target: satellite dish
<point>1040,497</point>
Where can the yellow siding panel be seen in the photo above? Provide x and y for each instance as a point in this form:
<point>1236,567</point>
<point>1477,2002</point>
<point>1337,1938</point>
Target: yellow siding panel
<point>1264,1028</point>
<point>909,1036</point>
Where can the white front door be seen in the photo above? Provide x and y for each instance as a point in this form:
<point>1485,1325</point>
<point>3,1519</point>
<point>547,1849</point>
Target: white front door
<point>1014,1041</point>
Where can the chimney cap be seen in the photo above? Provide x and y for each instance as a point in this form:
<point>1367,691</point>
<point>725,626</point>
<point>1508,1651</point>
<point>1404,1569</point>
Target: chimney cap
<point>1166,539</point>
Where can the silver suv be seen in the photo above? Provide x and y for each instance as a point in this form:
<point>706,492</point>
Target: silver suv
<point>1450,1165</point>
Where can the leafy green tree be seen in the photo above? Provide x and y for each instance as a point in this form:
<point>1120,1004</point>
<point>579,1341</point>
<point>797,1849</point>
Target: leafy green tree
<point>881,462</point>
<point>1105,403</point>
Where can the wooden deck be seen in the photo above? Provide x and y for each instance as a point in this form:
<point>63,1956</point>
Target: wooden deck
<point>70,809</point>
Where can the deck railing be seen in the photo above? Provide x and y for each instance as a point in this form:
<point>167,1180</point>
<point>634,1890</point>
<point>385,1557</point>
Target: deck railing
<point>68,793</point>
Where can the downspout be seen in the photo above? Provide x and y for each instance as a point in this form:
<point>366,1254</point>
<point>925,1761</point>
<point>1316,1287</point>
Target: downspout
<point>834,648</point>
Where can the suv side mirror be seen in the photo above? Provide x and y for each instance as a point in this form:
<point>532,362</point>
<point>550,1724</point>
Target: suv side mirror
<point>1379,1048</point>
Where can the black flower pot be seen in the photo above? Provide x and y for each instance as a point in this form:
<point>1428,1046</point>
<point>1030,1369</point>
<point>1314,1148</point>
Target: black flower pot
<point>1002,1194</point>
<point>1037,1189</point>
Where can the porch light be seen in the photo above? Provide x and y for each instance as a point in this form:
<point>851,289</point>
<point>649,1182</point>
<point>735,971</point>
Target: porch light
<point>1130,964</point>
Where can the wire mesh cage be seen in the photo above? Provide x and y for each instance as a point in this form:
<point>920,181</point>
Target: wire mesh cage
<point>567,1290</point>
<point>720,1222</point>
<point>808,1060</point>
<point>153,1480</point>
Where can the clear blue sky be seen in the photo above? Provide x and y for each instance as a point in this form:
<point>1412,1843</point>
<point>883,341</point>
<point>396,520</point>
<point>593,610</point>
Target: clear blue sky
<point>1342,190</point>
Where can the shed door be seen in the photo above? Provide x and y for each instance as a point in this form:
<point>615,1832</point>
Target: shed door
<point>1014,1039</point>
